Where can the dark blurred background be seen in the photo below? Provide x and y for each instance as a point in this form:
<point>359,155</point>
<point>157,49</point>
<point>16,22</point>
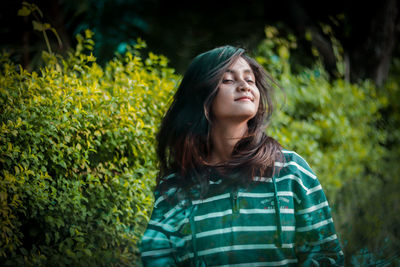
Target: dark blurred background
<point>367,30</point>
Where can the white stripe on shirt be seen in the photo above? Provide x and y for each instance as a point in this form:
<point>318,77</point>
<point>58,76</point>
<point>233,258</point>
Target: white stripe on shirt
<point>312,208</point>
<point>292,152</point>
<point>212,215</point>
<point>265,211</point>
<point>280,193</point>
<point>325,240</point>
<point>293,177</point>
<point>168,227</point>
<point>314,226</point>
<point>289,176</point>
<point>301,168</point>
<point>242,229</point>
<point>314,189</point>
<point>218,197</point>
<point>157,252</point>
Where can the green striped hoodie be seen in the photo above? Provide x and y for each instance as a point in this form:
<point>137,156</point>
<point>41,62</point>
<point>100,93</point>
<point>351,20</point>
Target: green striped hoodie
<point>244,226</point>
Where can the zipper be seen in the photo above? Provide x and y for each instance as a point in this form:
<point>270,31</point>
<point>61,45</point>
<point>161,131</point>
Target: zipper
<point>235,202</point>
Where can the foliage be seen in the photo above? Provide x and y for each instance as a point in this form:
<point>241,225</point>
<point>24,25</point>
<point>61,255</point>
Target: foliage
<point>368,205</point>
<point>77,156</point>
<point>349,134</point>
<point>331,124</point>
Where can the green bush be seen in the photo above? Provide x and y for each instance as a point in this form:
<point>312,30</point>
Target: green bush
<point>367,208</point>
<point>349,134</point>
<point>77,146</point>
<point>332,124</point>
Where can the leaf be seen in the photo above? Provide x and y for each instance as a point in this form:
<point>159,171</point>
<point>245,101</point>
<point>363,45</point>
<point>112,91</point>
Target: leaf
<point>87,252</point>
<point>88,33</point>
<point>3,196</point>
<point>47,238</point>
<point>24,11</point>
<point>79,239</point>
<point>70,253</point>
<point>38,26</point>
<point>63,164</point>
<point>46,26</point>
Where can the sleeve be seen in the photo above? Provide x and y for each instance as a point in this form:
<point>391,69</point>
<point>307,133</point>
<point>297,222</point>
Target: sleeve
<point>156,248</point>
<point>316,241</point>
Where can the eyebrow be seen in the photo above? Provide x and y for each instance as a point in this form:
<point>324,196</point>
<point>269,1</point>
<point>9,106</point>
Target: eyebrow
<point>245,71</point>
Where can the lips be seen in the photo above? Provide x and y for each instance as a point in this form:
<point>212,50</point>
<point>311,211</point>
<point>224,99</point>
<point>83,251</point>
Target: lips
<point>244,98</point>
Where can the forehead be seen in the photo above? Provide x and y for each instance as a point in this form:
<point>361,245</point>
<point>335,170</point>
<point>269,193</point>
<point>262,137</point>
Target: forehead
<point>240,66</point>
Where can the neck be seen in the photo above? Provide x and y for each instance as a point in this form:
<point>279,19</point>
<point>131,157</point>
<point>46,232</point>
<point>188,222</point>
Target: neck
<point>224,137</point>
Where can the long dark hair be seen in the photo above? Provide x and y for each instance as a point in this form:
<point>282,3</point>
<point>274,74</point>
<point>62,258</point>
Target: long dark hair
<point>184,140</point>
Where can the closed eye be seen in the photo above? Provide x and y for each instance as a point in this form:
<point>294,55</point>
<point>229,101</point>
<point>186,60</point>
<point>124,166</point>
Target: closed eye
<point>227,81</point>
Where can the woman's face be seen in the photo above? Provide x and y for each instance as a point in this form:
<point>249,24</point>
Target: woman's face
<point>238,97</point>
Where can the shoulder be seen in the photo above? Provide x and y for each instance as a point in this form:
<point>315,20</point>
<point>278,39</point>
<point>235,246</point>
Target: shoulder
<point>168,179</point>
<point>166,187</point>
<point>292,156</point>
<point>294,161</point>
<point>295,166</point>
<point>169,192</point>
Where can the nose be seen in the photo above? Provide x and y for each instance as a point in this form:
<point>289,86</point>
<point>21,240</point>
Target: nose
<point>244,86</point>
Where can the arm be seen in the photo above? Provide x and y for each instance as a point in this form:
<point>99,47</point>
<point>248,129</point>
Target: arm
<point>316,241</point>
<point>156,247</point>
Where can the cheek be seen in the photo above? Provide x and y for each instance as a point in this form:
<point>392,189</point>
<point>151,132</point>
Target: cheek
<point>220,99</point>
<point>216,104</point>
<point>258,98</point>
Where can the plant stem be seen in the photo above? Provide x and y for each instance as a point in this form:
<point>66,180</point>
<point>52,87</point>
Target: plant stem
<point>47,41</point>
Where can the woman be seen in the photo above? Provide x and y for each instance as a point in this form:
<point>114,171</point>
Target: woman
<point>227,193</point>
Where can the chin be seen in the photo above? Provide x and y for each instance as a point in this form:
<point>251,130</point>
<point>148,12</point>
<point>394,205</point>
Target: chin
<point>245,116</point>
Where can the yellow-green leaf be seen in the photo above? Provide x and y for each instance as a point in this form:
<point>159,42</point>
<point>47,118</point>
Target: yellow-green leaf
<point>24,11</point>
